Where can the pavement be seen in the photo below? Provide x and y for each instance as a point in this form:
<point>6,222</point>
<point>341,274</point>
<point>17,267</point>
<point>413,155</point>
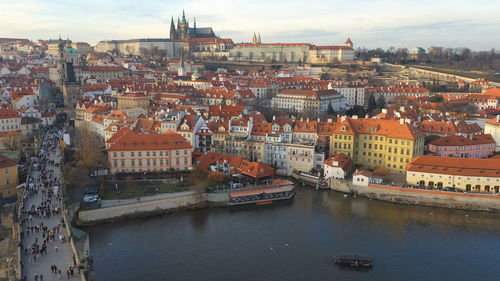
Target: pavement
<point>63,256</point>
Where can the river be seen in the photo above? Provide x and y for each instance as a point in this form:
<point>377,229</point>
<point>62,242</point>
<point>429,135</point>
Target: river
<point>296,240</point>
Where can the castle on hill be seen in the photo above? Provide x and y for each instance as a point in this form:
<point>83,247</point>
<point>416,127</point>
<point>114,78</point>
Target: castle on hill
<point>184,32</point>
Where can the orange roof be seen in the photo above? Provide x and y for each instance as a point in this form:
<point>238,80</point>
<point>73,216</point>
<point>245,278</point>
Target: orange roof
<point>388,128</point>
<point>460,140</point>
<point>8,113</point>
<point>450,166</point>
<point>128,140</point>
<point>344,161</point>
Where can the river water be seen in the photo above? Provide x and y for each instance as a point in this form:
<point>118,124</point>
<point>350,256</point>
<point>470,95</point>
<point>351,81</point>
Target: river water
<point>296,240</point>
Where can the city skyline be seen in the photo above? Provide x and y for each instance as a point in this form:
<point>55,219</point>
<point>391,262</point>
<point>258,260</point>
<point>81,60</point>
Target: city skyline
<point>370,24</point>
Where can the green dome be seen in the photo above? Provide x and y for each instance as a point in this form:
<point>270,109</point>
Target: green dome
<point>196,75</point>
<point>70,50</point>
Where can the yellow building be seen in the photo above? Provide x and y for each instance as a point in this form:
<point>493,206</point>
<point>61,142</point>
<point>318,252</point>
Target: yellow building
<point>8,177</point>
<point>477,175</point>
<point>375,142</point>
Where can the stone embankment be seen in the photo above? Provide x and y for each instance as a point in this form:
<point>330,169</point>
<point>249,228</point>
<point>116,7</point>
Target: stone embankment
<point>423,197</point>
<point>112,210</point>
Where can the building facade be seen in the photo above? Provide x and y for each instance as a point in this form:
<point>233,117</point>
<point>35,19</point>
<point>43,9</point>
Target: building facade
<point>477,146</point>
<point>492,127</point>
<point>390,144</point>
<point>8,177</point>
<point>138,153</point>
<point>476,175</point>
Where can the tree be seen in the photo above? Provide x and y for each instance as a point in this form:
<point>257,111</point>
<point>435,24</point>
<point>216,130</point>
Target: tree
<point>88,153</point>
<point>380,102</point>
<point>12,141</point>
<point>216,176</point>
<point>325,76</point>
<point>436,99</point>
<point>330,110</point>
<point>381,171</point>
<point>356,110</point>
<point>372,104</point>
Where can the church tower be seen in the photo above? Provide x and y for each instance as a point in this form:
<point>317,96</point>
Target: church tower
<point>173,32</point>
<point>184,27</point>
<point>254,39</point>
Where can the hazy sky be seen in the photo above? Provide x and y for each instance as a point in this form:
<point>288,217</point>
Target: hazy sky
<point>369,23</point>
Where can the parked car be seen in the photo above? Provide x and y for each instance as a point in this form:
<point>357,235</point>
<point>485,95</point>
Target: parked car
<point>90,196</point>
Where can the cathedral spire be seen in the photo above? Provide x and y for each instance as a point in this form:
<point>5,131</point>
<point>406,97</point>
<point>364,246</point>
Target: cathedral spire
<point>254,39</point>
<point>183,17</point>
<point>194,24</point>
<point>172,29</point>
<point>259,41</point>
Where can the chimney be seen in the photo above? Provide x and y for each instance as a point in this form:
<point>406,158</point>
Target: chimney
<point>301,119</point>
<point>342,119</point>
<point>355,117</point>
<point>384,110</point>
<point>318,120</point>
<point>307,119</point>
<point>274,117</point>
<point>367,116</point>
<point>401,121</point>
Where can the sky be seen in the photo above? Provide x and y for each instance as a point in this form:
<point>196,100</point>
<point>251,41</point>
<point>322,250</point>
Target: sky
<point>369,23</point>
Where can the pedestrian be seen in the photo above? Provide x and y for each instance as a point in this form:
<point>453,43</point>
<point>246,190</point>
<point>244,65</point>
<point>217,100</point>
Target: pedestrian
<point>35,276</point>
<point>59,274</point>
<point>67,272</point>
<point>55,247</point>
<point>41,277</point>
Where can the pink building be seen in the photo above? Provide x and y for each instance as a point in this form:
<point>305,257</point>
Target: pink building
<point>478,146</point>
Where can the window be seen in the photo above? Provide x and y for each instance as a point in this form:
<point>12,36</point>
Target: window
<point>185,152</point>
<point>122,154</point>
<point>132,163</point>
<point>154,153</point>
<point>114,154</point>
<point>177,152</point>
<point>161,153</point>
<point>147,154</point>
<point>7,171</point>
<point>139,153</point>
<point>7,181</point>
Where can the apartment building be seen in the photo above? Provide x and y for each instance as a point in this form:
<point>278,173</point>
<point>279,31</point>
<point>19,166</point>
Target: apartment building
<point>374,142</point>
<point>131,152</point>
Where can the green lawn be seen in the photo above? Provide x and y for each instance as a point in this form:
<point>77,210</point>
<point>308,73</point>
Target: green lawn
<point>133,189</point>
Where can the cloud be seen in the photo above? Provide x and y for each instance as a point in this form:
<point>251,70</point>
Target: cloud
<point>443,25</point>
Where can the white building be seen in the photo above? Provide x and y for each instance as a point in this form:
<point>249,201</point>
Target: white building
<point>295,100</point>
<point>492,127</point>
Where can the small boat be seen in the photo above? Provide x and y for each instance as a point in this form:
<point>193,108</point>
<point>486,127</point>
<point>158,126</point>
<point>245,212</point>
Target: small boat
<point>264,202</point>
<point>354,260</point>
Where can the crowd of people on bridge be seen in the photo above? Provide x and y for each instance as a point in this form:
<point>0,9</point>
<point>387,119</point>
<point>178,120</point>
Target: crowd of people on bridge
<point>41,201</point>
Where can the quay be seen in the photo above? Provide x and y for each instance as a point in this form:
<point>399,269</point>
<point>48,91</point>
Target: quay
<point>117,210</point>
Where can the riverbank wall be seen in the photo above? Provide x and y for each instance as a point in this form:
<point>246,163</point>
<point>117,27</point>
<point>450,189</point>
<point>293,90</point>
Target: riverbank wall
<point>423,197</point>
<point>176,202</point>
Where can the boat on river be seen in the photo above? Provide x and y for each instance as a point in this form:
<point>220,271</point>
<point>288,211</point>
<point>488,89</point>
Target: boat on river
<point>354,260</point>
<point>264,194</point>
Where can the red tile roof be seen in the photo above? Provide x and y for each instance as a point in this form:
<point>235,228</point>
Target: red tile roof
<point>450,166</point>
<point>128,140</point>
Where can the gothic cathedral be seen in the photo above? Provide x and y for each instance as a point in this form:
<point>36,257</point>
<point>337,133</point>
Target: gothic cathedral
<point>184,32</point>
